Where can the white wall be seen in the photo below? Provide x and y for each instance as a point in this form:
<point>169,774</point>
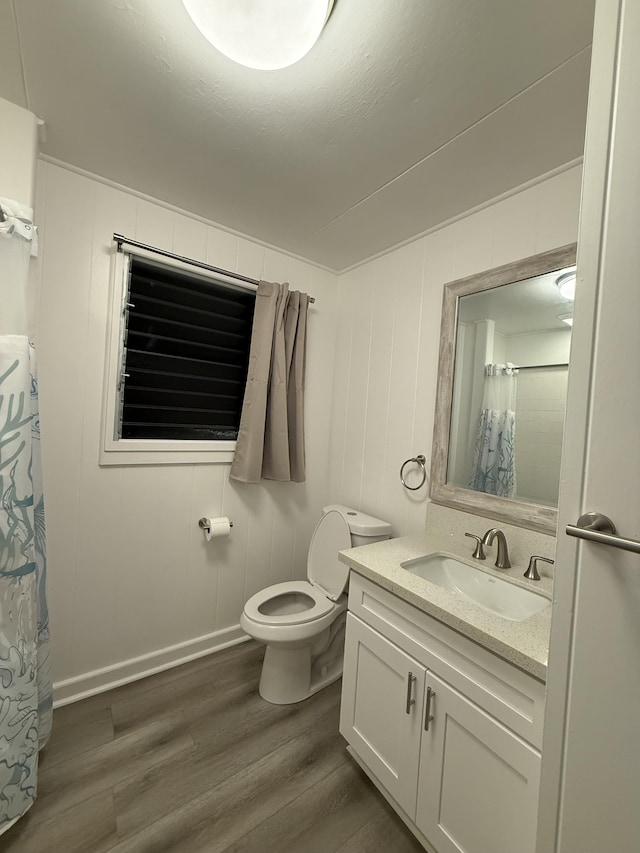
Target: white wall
<point>130,574</point>
<point>132,585</point>
<point>18,152</point>
<point>540,407</point>
<point>388,339</point>
<point>540,412</point>
<point>552,347</point>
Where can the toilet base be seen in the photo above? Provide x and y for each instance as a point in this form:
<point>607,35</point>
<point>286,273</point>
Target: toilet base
<point>291,675</point>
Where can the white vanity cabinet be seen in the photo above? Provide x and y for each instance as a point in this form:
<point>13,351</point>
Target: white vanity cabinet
<point>448,731</point>
<point>382,696</point>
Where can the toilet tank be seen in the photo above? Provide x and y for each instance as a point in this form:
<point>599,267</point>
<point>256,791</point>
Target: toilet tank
<point>365,529</point>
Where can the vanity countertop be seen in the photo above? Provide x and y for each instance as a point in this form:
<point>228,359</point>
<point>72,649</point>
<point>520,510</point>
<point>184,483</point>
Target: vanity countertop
<point>525,643</point>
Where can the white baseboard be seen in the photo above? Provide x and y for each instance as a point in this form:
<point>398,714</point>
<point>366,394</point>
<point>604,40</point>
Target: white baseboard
<point>99,680</point>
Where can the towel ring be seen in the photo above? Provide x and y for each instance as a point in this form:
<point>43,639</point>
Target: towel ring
<point>419,460</point>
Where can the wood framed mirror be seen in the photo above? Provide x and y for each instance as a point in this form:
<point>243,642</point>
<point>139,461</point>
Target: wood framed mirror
<point>501,394</point>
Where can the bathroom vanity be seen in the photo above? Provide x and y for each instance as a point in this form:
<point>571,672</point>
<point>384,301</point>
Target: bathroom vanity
<point>443,700</point>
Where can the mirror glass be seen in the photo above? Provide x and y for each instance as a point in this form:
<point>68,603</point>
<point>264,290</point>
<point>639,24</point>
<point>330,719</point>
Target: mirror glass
<point>502,385</point>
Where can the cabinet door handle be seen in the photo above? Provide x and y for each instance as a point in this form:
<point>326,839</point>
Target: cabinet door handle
<point>410,701</point>
<point>428,716</point>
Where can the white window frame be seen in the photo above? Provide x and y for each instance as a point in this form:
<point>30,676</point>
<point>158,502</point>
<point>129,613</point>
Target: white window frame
<point>125,451</point>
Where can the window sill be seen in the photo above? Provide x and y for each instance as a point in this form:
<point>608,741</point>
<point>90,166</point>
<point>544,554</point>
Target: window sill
<point>149,452</point>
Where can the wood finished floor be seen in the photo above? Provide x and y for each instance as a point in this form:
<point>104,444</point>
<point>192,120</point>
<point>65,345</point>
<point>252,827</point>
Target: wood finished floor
<point>193,759</point>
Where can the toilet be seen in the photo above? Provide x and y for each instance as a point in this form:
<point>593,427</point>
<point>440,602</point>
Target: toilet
<point>302,622</point>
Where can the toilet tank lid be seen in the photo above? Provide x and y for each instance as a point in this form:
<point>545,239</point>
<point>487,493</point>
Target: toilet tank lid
<point>359,522</point>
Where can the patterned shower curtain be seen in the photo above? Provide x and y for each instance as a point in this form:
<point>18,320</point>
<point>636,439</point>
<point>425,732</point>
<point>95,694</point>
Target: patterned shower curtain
<point>494,468</point>
<point>25,682</point>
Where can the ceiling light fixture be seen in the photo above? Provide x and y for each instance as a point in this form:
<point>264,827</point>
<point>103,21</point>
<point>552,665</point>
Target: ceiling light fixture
<point>567,284</point>
<point>262,34</point>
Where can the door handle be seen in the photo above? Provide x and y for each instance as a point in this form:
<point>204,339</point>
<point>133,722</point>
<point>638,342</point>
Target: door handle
<point>410,701</point>
<point>598,528</point>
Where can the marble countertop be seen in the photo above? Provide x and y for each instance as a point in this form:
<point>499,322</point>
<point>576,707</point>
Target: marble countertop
<point>525,643</point>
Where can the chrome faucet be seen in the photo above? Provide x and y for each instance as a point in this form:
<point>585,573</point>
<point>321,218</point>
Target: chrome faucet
<point>502,557</point>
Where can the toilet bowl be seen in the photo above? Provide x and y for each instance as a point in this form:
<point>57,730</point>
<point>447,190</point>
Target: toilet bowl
<point>302,622</point>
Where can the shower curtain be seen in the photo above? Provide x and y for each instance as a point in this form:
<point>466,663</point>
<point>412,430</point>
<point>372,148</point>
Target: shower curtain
<point>25,683</point>
<point>494,469</point>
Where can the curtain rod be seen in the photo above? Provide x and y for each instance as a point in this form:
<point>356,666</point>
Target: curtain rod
<point>538,366</point>
<point>121,241</point>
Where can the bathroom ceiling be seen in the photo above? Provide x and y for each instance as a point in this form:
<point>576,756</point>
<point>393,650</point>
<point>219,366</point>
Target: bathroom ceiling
<point>404,115</point>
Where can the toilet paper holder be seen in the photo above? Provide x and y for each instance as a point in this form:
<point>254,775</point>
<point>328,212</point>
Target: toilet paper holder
<point>203,523</point>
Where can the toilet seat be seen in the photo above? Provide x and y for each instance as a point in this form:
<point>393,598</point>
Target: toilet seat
<point>327,580</point>
<point>324,568</point>
<point>320,607</point>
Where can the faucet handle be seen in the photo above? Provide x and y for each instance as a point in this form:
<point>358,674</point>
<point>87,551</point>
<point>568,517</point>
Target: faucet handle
<point>532,571</point>
<point>478,553</point>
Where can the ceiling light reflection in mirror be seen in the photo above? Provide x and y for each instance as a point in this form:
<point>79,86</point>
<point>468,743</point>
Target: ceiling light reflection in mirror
<point>566,284</point>
<point>263,34</point>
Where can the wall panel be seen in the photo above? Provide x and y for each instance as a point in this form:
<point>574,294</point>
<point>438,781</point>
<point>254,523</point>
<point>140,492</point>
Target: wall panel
<point>402,306</point>
<point>132,582</point>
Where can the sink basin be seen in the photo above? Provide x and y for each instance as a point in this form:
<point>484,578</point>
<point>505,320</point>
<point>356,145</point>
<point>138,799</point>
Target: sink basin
<point>494,594</point>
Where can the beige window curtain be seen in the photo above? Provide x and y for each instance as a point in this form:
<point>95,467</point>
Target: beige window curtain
<point>271,436</point>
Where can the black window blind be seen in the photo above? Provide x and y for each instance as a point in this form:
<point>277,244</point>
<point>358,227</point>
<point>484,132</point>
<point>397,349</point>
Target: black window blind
<point>186,354</point>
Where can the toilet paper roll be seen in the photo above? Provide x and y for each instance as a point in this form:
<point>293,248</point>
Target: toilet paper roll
<point>217,528</point>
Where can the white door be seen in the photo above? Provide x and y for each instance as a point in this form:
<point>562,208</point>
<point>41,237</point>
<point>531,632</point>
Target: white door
<point>590,792</point>
<point>478,789</point>
<point>382,693</point>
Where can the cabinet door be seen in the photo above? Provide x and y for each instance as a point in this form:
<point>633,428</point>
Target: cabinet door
<point>478,782</point>
<point>382,695</point>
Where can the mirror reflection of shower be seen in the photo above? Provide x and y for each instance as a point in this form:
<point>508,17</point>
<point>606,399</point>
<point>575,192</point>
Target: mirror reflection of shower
<point>510,385</point>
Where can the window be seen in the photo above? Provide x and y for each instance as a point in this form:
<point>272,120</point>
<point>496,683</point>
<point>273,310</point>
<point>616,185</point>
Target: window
<point>186,355</point>
<point>179,359</point>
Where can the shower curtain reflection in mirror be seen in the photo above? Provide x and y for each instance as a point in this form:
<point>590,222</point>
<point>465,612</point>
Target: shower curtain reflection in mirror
<point>493,469</point>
